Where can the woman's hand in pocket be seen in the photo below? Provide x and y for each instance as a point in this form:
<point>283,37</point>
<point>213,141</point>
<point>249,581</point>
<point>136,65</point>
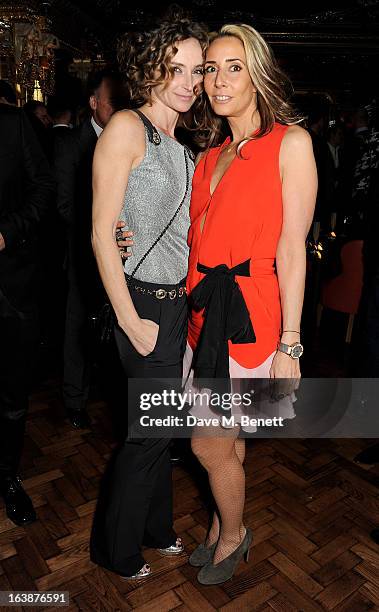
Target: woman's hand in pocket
<point>144,336</point>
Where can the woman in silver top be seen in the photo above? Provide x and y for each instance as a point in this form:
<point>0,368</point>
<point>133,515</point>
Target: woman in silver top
<point>143,174</point>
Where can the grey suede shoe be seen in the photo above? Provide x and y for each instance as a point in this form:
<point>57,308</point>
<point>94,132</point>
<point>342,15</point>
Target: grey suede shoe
<point>223,571</point>
<point>202,555</point>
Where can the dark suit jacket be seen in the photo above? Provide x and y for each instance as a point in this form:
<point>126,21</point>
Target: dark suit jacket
<point>59,129</point>
<point>334,190</point>
<point>26,192</point>
<point>56,133</point>
<point>73,156</point>
<point>320,153</point>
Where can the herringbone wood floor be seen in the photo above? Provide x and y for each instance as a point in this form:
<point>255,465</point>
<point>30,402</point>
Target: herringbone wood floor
<point>311,509</point>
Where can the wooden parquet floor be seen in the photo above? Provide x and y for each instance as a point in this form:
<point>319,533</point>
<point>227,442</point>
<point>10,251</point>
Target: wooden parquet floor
<point>311,509</point>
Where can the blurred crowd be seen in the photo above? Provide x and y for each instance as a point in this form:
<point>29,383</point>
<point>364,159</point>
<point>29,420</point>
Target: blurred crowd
<point>347,156</point>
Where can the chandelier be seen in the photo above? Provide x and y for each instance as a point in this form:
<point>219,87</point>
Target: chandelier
<point>27,48</point>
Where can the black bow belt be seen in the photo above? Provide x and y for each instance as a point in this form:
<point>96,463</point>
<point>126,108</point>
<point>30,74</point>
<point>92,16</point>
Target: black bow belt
<point>226,317</point>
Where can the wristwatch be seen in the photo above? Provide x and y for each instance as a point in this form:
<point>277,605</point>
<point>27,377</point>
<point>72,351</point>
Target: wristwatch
<point>293,350</point>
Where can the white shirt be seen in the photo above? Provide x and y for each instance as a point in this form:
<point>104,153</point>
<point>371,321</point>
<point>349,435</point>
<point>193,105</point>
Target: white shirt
<point>62,125</point>
<point>96,127</point>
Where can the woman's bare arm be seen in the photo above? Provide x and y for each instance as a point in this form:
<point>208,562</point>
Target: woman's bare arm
<point>120,148</point>
<point>299,188</point>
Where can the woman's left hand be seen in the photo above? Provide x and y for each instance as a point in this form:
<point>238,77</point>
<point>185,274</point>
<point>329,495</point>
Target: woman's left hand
<point>284,366</point>
<point>123,238</point>
<point>285,375</point>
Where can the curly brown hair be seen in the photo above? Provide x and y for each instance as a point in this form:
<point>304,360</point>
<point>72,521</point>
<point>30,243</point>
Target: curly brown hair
<point>145,57</point>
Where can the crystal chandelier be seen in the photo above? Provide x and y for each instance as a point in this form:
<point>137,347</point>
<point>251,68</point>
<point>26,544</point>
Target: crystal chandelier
<point>27,48</point>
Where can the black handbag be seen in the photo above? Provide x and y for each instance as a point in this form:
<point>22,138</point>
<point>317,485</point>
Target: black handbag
<point>103,323</point>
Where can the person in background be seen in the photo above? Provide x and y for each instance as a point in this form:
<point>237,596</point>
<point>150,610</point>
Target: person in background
<point>26,192</point>
<point>362,149</point>
<point>73,153</point>
<point>317,123</point>
<point>61,114</point>
<point>53,293</point>
<point>7,93</point>
<point>333,173</point>
<point>41,123</point>
<point>366,349</point>
<point>38,110</point>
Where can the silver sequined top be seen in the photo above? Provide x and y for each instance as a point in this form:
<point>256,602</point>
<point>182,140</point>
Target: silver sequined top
<point>154,191</point>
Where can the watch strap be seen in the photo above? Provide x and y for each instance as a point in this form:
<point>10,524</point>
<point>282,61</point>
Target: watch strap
<point>294,350</point>
<point>284,348</point>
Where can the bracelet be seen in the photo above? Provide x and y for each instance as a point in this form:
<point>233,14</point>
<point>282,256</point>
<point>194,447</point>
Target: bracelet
<point>292,331</point>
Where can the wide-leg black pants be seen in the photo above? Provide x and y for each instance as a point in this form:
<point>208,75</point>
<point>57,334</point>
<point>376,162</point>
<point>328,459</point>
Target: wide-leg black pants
<point>138,509</point>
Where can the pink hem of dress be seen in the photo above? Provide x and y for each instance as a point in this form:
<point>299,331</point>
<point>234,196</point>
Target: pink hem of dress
<point>283,408</point>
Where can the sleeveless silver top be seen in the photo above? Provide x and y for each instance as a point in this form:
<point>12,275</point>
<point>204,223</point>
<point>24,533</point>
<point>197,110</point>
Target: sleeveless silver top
<point>154,191</point>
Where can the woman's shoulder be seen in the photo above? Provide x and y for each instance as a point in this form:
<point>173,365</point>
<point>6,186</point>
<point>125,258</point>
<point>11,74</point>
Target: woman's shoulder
<point>125,120</point>
<point>295,135</point>
<point>296,146</point>
<point>125,131</point>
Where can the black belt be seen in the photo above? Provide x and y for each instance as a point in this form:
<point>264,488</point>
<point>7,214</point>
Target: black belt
<point>167,291</point>
<point>226,317</point>
<point>160,294</point>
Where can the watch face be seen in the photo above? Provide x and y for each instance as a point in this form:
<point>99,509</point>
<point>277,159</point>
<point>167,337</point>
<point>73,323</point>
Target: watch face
<point>297,351</point>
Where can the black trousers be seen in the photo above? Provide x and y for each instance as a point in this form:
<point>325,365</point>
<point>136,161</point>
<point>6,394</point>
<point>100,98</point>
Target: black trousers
<point>138,509</point>
<point>19,333</point>
<point>76,349</point>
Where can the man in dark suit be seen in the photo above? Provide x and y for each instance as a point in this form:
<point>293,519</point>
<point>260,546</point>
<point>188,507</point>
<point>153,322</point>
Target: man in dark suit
<point>26,191</point>
<point>316,127</point>
<point>333,171</point>
<point>73,172</point>
<point>61,115</point>
<point>366,349</point>
<point>41,123</point>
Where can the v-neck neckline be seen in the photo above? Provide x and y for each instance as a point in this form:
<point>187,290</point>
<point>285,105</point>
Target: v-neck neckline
<point>211,193</point>
<point>209,202</point>
<point>226,142</point>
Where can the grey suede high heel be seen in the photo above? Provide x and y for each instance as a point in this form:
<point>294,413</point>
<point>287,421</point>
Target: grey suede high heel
<point>202,555</point>
<point>223,571</point>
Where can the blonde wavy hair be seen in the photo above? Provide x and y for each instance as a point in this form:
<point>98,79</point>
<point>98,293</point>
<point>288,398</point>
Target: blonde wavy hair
<point>274,89</point>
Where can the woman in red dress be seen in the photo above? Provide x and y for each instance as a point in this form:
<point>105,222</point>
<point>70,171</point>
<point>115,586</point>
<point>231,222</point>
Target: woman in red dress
<point>252,205</point>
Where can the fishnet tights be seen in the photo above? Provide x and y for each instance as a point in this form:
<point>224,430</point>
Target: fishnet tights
<point>223,457</point>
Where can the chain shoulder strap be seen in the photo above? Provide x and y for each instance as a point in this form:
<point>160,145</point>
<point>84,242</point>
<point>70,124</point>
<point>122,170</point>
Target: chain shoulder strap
<point>152,131</point>
<point>186,154</point>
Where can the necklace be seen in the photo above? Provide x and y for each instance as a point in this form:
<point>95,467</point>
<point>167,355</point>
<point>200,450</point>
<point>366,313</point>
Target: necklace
<point>233,145</point>
<point>230,148</point>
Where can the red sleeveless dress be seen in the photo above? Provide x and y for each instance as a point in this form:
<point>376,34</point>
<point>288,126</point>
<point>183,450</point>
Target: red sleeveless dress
<point>244,221</point>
